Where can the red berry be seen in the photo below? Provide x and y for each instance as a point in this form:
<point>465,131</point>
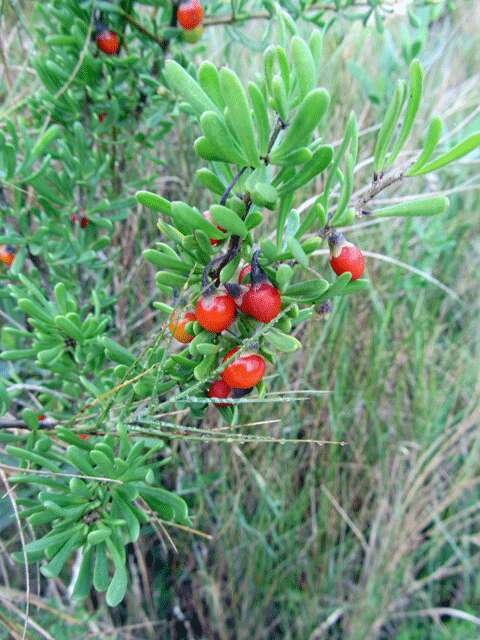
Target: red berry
<point>219,389</point>
<point>177,328</point>
<point>41,418</point>
<point>83,222</point>
<point>83,436</point>
<point>7,254</point>
<point>215,313</point>
<point>74,219</point>
<point>244,273</point>
<point>207,215</point>
<point>101,117</point>
<point>349,259</point>
<point>245,371</point>
<point>262,302</point>
<point>108,42</point>
<point>190,14</point>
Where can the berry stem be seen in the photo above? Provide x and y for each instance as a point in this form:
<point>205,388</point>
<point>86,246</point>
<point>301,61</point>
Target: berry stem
<point>230,186</point>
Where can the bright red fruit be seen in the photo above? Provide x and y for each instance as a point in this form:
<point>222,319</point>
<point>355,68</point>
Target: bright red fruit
<point>190,14</point>
<point>244,273</point>
<point>216,312</point>
<point>7,254</point>
<point>177,328</point>
<point>262,302</point>
<point>83,436</point>
<point>245,371</point>
<point>348,259</point>
<point>219,389</point>
<point>83,222</point>
<point>108,42</point>
<point>41,418</point>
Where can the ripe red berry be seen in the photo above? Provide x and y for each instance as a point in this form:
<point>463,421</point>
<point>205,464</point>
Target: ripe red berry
<point>7,254</point>
<point>348,258</point>
<point>108,42</point>
<point>216,312</point>
<point>207,216</point>
<point>177,328</point>
<point>41,418</point>
<point>244,273</point>
<point>219,389</point>
<point>83,222</point>
<point>101,117</point>
<point>245,371</point>
<point>190,14</point>
<point>262,302</point>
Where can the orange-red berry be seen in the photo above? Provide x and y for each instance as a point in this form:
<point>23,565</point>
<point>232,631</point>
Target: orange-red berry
<point>83,436</point>
<point>7,254</point>
<point>348,259</point>
<point>219,389</point>
<point>261,301</point>
<point>190,14</point>
<point>108,42</point>
<point>177,328</point>
<point>215,312</point>
<point>245,371</point>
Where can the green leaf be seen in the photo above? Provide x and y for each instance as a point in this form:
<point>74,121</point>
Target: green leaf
<point>83,582</point>
<point>154,201</point>
<point>216,131</point>
<point>237,103</point>
<point>460,150</point>
<point>210,181</point>
<point>306,119</point>
<point>228,220</point>
<point>298,253</point>
<point>264,194</point>
<point>260,113</point>
<point>308,290</point>
<point>304,65</point>
<point>388,126</point>
<point>430,143</point>
<point>319,162</point>
<point>210,82</point>
<point>282,342</point>
<point>101,578</point>
<point>183,83</point>
<point>45,141</point>
<point>430,206</point>
<point>415,96</point>
<point>193,219</point>
<point>51,540</point>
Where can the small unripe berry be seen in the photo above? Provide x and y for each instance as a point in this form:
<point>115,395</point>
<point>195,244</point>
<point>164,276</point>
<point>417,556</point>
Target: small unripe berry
<point>190,14</point>
<point>347,258</point>
<point>7,254</point>
<point>193,35</point>
<point>244,272</point>
<point>262,302</point>
<point>245,371</point>
<point>177,328</point>
<point>108,42</point>
<point>215,312</point>
<point>219,389</point>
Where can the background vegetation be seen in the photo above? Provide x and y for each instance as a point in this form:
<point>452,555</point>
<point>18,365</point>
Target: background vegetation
<point>374,539</point>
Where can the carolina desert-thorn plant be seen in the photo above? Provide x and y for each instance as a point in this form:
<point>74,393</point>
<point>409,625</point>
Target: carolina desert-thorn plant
<point>264,142</point>
<point>67,164</point>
